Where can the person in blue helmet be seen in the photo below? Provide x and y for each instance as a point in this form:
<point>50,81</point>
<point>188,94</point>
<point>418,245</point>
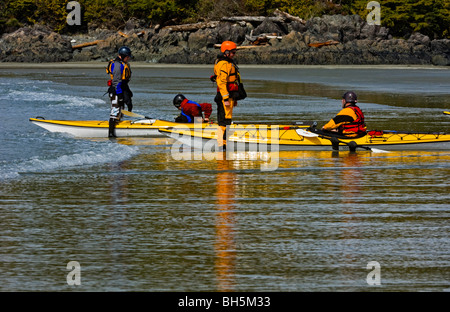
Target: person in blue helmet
<point>119,91</point>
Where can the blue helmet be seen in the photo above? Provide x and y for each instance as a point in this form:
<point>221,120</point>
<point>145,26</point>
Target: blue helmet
<point>125,51</point>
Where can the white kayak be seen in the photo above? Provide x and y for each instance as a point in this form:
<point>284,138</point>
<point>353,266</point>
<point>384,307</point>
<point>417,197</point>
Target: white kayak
<point>99,128</point>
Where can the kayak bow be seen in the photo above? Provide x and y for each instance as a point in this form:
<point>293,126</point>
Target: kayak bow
<point>99,128</point>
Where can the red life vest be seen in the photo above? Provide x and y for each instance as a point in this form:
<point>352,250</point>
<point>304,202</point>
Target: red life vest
<point>357,126</point>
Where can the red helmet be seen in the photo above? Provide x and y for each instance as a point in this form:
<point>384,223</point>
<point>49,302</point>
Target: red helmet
<point>228,46</point>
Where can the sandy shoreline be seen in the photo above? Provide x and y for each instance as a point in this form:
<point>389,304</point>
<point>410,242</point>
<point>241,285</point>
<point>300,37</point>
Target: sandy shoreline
<point>11,65</point>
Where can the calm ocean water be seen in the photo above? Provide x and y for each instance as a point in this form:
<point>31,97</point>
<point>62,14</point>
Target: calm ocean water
<point>136,219</point>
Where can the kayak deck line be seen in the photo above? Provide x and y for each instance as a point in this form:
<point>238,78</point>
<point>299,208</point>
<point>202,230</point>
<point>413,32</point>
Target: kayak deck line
<point>85,123</point>
<point>96,123</point>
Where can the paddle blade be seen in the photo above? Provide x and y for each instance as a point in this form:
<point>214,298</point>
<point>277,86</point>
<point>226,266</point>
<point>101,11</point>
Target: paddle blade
<point>376,150</point>
<point>305,133</point>
<point>128,113</point>
<point>131,114</point>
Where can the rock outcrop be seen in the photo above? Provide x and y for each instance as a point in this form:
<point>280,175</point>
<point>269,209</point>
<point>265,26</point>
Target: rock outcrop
<point>284,39</point>
<point>34,44</point>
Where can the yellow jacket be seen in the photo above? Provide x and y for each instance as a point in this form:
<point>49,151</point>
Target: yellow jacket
<point>226,74</point>
<point>346,115</point>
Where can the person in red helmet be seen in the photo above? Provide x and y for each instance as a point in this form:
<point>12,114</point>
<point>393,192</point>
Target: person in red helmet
<point>190,109</point>
<point>350,120</point>
<point>227,78</point>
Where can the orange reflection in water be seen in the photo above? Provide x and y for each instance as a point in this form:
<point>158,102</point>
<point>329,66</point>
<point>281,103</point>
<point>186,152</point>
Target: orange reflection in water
<point>225,247</point>
<point>351,179</point>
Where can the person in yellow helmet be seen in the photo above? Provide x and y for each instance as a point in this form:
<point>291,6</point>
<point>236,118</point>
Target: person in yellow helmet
<point>226,74</point>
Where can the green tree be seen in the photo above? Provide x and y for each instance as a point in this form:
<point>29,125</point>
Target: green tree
<point>48,12</point>
<point>431,17</point>
<point>52,13</point>
<point>403,17</point>
<point>22,10</point>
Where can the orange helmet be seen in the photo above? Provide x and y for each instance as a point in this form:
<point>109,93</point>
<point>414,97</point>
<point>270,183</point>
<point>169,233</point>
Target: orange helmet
<point>228,46</point>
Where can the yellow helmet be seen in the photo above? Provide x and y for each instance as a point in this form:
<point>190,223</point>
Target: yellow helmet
<point>228,46</point>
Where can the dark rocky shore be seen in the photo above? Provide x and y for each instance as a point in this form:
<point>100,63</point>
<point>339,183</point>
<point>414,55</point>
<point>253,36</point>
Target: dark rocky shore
<point>281,39</point>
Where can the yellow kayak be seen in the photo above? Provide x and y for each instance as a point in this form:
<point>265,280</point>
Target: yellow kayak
<point>255,137</point>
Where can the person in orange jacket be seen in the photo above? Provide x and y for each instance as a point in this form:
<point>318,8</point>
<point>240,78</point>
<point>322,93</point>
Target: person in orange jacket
<point>226,74</point>
<point>350,120</point>
<point>190,109</point>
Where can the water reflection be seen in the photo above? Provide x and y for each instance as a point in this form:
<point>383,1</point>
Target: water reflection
<point>350,180</point>
<point>350,189</point>
<point>118,220</point>
<point>225,246</point>
<point>154,223</point>
<point>313,223</point>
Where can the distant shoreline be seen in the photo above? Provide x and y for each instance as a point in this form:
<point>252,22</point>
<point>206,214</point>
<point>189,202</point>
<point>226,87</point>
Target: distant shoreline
<point>98,64</point>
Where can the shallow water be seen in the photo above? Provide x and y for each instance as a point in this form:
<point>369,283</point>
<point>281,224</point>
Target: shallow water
<point>136,219</point>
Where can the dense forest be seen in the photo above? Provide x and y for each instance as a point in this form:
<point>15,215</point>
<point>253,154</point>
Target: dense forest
<point>402,17</point>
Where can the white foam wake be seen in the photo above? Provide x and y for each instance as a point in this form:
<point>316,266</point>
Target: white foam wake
<point>101,153</point>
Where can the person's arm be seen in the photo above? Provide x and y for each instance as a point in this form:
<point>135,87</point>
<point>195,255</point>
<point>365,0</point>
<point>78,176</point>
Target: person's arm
<point>329,126</point>
<point>347,115</point>
<point>207,110</point>
<point>221,80</point>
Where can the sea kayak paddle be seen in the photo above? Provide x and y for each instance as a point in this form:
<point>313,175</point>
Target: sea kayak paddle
<point>335,141</point>
<point>131,114</point>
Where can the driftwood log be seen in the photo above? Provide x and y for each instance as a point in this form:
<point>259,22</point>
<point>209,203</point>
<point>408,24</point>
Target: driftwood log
<point>86,44</point>
<point>192,27</point>
<point>218,45</point>
<point>279,17</point>
<point>275,19</point>
<point>321,44</point>
<point>256,41</point>
<point>288,16</point>
<point>127,35</point>
<point>261,39</point>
